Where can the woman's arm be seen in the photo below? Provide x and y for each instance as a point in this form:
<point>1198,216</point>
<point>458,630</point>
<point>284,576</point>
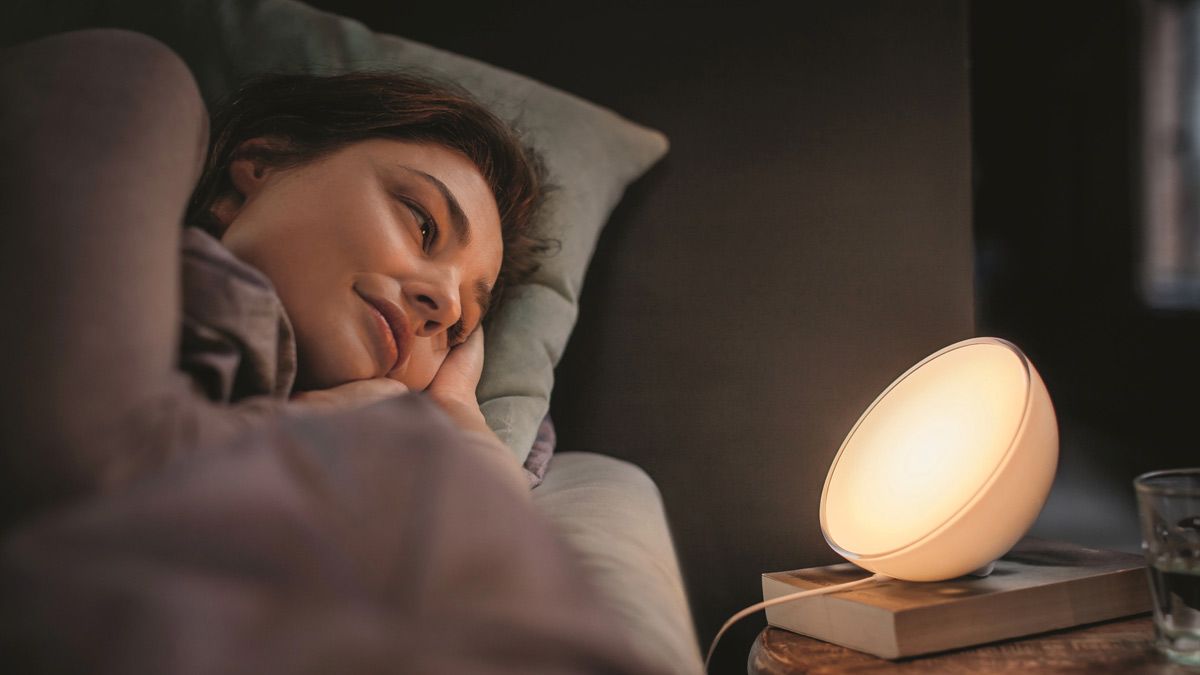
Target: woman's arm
<point>104,135</point>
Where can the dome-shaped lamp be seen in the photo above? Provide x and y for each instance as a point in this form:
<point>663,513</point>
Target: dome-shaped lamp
<point>947,469</point>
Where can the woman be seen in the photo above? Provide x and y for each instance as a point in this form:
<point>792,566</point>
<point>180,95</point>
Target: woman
<point>193,477</point>
<point>423,190</point>
<point>388,213</point>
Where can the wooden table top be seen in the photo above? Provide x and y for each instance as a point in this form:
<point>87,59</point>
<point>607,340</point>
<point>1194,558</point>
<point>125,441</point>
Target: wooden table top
<point>1120,646</point>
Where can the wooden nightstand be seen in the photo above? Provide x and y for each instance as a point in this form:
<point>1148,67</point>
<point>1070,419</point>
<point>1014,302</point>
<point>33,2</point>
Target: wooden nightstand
<point>1123,646</point>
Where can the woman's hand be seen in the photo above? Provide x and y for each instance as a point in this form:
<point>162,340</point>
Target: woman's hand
<point>453,387</point>
<point>351,394</point>
<point>453,390</point>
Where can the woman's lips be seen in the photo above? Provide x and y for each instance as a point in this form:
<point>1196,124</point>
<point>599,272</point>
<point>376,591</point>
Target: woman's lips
<point>392,329</point>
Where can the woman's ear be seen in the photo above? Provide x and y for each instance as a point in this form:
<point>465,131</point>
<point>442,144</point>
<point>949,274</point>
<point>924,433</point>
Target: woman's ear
<point>248,172</point>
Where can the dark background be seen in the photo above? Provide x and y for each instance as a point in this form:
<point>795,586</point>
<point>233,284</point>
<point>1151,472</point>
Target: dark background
<point>1055,117</point>
<point>1052,113</point>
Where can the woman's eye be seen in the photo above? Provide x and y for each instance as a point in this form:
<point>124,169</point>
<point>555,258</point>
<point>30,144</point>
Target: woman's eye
<point>427,226</point>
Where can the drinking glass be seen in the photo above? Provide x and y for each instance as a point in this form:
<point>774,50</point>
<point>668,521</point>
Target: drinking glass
<point>1169,508</point>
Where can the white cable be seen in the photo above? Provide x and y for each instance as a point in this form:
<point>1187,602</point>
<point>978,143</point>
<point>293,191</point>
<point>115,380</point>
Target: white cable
<point>879,578</point>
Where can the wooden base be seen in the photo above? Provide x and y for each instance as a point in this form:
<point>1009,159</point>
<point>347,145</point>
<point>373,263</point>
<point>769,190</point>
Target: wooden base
<point>1124,646</point>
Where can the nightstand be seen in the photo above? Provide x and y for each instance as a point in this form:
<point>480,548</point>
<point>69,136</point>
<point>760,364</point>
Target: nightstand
<point>1122,646</point>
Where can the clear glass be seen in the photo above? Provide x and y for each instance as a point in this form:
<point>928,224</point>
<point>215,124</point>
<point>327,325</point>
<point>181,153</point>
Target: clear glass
<point>1169,507</point>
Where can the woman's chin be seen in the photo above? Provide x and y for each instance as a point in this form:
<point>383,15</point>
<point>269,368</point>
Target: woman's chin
<point>312,376</point>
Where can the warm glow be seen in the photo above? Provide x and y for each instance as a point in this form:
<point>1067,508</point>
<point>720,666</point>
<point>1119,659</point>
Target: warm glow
<point>926,448</point>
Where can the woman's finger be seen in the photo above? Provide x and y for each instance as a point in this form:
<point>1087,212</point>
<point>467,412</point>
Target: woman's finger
<point>460,372</point>
<point>469,355</point>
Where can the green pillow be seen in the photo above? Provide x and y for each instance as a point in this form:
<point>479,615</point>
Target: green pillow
<point>591,153</point>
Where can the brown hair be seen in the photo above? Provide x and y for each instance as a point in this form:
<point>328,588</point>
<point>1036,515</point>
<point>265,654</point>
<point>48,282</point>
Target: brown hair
<point>314,115</point>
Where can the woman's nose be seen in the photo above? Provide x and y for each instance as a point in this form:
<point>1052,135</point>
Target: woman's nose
<point>434,306</point>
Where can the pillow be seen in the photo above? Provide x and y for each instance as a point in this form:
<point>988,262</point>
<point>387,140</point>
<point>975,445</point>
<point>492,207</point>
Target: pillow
<point>591,153</point>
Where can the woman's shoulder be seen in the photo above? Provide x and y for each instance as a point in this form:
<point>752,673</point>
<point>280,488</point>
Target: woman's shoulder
<point>236,339</point>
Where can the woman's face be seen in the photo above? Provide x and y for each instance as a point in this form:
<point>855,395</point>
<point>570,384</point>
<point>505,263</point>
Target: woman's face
<point>383,253</point>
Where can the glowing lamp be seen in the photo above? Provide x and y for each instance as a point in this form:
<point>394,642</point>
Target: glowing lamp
<point>947,468</point>
<point>942,474</point>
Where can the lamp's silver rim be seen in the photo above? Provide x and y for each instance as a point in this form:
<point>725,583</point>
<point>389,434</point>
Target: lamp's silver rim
<point>1142,483</point>
<point>848,555</point>
<point>1026,365</point>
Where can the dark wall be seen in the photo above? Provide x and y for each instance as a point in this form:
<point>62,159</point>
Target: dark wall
<point>1055,132</point>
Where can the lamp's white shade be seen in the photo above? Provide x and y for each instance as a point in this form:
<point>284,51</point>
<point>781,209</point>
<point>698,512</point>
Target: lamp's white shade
<point>948,468</point>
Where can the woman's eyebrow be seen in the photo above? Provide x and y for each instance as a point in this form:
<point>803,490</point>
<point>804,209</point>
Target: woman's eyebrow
<point>458,219</point>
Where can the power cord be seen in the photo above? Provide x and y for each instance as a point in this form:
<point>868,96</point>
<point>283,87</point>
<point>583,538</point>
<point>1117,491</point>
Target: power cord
<point>874,578</point>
